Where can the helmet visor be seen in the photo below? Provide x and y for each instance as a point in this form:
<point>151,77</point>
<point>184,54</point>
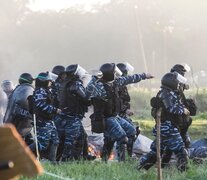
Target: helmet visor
<point>117,72</point>
<point>187,68</point>
<point>181,79</point>
<point>52,76</point>
<point>81,72</point>
<point>129,68</point>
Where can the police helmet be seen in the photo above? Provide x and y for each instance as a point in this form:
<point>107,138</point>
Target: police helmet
<point>25,78</point>
<point>181,69</point>
<point>42,80</point>
<point>108,70</point>
<point>58,69</point>
<point>76,70</point>
<point>172,80</point>
<point>122,68</point>
<point>71,69</point>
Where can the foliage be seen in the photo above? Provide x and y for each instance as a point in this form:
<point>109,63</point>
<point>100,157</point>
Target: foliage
<point>201,100</point>
<point>140,102</point>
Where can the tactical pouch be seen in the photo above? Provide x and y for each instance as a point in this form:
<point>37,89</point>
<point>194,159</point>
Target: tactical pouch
<point>97,123</point>
<point>191,106</point>
<point>156,104</point>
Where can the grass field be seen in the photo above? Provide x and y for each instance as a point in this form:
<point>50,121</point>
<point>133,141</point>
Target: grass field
<point>98,170</point>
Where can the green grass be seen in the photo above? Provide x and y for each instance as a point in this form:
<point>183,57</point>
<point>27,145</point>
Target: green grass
<point>119,171</point>
<point>98,170</point>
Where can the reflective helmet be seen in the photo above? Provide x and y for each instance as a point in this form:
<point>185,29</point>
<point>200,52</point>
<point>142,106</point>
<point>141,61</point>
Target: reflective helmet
<point>181,69</point>
<point>42,80</point>
<point>122,68</point>
<point>58,69</point>
<point>172,80</point>
<point>25,78</point>
<point>125,68</point>
<point>76,70</point>
<point>110,71</point>
<point>7,86</point>
<point>71,69</point>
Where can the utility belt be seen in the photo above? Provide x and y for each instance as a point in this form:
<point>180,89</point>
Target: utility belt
<point>115,114</point>
<point>72,115</point>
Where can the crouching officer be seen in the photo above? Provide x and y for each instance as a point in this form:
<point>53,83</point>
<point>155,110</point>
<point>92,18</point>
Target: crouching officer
<point>104,95</point>
<point>47,135</point>
<point>172,108</point>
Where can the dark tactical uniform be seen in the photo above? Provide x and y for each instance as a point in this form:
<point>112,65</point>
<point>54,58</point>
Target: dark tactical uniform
<point>104,96</point>
<point>171,139</point>
<point>59,121</point>
<point>46,131</point>
<point>74,103</point>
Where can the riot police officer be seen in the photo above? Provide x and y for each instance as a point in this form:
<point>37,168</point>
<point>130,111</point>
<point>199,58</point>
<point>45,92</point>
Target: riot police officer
<point>17,111</point>
<point>184,121</point>
<point>58,70</point>
<point>124,104</point>
<point>44,110</point>
<point>172,108</point>
<point>74,103</point>
<point>104,95</point>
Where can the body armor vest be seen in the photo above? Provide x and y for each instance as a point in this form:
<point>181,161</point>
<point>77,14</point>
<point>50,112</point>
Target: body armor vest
<point>69,102</point>
<point>110,107</point>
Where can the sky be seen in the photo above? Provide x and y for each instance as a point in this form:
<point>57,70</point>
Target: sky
<point>152,35</point>
<point>58,5</point>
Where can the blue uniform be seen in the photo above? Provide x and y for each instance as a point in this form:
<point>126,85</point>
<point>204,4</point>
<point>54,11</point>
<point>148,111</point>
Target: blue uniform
<point>116,128</point>
<point>44,110</point>
<point>74,108</point>
<point>171,139</point>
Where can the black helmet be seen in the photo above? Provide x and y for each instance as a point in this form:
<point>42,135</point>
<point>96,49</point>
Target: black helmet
<point>108,71</point>
<point>42,80</point>
<point>71,69</point>
<point>58,69</point>
<point>26,78</point>
<point>173,81</point>
<point>123,68</point>
<point>169,81</point>
<point>179,69</point>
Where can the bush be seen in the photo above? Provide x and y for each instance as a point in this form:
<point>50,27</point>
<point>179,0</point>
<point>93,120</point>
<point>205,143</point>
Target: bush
<point>140,102</point>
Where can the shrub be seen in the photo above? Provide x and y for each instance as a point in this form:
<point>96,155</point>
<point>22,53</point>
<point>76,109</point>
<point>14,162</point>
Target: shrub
<point>140,101</point>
